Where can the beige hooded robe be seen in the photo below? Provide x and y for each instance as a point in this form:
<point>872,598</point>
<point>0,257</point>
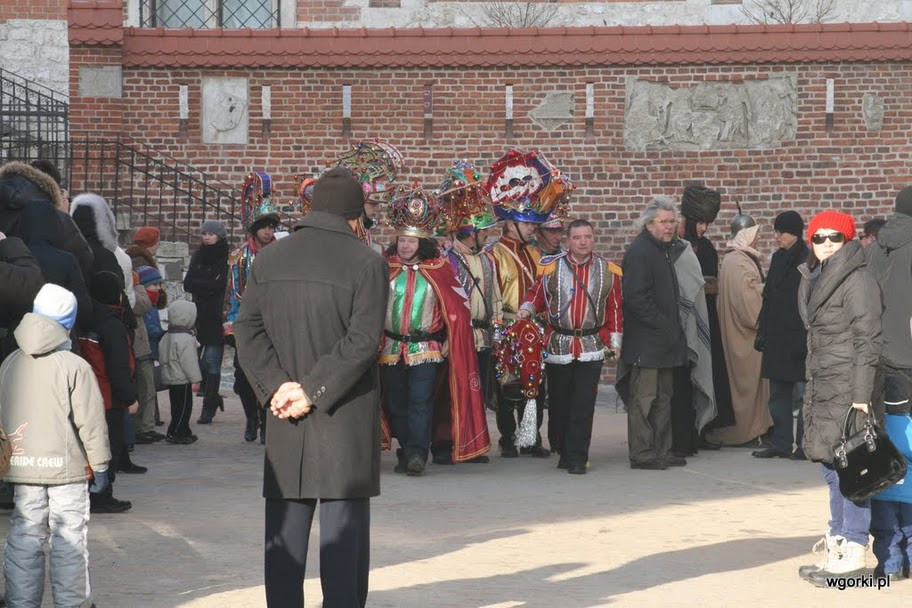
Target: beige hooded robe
<point>740,299</point>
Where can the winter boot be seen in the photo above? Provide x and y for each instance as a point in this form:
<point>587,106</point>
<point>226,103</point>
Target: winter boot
<point>850,562</point>
<point>250,432</point>
<point>822,548</point>
<point>210,405</point>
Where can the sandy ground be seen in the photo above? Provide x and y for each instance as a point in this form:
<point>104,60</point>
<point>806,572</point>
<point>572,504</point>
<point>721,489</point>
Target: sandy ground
<point>726,530</point>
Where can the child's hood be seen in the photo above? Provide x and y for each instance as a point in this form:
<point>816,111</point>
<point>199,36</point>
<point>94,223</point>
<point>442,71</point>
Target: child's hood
<point>181,314</point>
<point>39,335</point>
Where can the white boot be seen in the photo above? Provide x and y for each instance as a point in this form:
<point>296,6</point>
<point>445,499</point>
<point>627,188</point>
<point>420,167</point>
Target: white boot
<point>851,559</point>
<point>827,548</point>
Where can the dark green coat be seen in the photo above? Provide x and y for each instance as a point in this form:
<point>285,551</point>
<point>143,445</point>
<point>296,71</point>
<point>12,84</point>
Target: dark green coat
<point>313,312</point>
<point>841,309</point>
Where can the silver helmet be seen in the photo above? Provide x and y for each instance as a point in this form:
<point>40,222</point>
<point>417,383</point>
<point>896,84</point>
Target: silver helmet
<point>740,222</point>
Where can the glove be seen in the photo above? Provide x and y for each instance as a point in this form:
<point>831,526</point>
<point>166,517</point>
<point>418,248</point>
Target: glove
<point>99,482</point>
<point>760,343</point>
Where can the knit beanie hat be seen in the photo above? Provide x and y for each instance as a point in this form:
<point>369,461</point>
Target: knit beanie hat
<point>840,222</point>
<point>107,288</point>
<point>904,201</point>
<point>56,303</point>
<point>148,275</point>
<point>146,237</point>
<point>338,192</point>
<point>214,227</point>
<point>789,222</point>
<point>897,393</point>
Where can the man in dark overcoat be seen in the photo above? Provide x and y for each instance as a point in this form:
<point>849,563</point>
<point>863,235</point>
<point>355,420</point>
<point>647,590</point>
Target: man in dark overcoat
<point>307,334</point>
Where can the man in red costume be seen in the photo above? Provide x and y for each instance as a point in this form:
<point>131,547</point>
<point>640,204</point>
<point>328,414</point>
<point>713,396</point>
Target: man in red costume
<point>580,294</point>
<point>427,320</point>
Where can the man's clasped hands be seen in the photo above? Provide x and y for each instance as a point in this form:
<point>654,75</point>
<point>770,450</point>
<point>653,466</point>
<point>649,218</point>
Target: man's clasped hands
<point>290,401</point>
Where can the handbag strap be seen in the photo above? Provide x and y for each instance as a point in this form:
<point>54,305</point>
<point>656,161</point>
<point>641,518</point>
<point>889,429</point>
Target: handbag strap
<point>849,417</point>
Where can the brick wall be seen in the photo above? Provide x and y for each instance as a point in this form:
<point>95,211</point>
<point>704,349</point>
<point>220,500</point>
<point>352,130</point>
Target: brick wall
<point>33,9</point>
<point>847,168</point>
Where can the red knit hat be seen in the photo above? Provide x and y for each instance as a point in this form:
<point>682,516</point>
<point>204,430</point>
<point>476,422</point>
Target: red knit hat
<point>147,236</point>
<point>840,222</point>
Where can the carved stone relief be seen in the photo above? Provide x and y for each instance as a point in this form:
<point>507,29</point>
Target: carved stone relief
<point>872,109</point>
<point>710,115</point>
<point>554,111</point>
<point>225,109</point>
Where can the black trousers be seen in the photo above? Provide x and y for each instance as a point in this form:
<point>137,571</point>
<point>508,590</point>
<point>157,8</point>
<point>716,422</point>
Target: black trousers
<point>244,391</point>
<point>572,389</point>
<point>114,418</point>
<point>510,410</point>
<point>683,416</point>
<point>181,396</point>
<point>344,551</point>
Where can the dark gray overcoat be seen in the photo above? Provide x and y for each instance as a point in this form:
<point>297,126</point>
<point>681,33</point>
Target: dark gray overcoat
<point>841,309</point>
<point>312,312</point>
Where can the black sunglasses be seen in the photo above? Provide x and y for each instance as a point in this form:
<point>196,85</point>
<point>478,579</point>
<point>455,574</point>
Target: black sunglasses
<point>835,237</point>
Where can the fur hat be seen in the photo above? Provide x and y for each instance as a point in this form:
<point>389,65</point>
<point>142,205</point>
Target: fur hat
<point>789,222</point>
<point>56,303</point>
<point>700,204</point>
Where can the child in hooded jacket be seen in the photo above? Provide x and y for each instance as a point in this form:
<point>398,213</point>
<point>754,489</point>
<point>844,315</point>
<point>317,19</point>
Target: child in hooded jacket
<point>180,369</point>
<point>52,408</point>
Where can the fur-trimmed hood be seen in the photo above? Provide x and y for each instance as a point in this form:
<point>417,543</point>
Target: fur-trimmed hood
<point>21,183</point>
<point>103,224</point>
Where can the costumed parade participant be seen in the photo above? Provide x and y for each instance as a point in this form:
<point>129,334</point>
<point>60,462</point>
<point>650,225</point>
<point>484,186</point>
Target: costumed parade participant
<point>699,208</point>
<point>261,218</point>
<point>427,320</point>
<point>548,235</point>
<point>580,294</point>
<point>520,186</point>
<point>463,194</point>
<point>376,165</point>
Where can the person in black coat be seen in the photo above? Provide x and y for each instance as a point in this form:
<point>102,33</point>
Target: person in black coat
<point>307,337</point>
<point>654,342</point>
<point>206,279</point>
<point>21,278</point>
<point>39,229</point>
<point>781,337</point>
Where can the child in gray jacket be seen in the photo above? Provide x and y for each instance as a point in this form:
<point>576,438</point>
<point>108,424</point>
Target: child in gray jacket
<point>52,409</point>
<point>180,369</point>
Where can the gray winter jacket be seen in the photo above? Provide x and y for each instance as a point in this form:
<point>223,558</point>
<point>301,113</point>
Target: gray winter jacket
<point>177,349</point>
<point>51,407</point>
<point>841,308</point>
<point>890,260</point>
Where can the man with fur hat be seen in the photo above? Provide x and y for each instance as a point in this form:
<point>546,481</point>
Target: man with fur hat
<point>699,208</point>
<point>261,224</point>
<point>20,184</point>
<point>307,337</point>
<point>890,259</point>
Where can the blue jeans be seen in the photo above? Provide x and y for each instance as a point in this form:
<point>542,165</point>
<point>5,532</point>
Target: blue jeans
<point>891,527</point>
<point>211,359</point>
<point>409,393</point>
<point>848,519</point>
<point>781,404</point>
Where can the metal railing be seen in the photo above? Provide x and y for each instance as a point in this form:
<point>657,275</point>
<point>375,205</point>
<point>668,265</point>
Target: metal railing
<point>204,14</point>
<point>34,120</point>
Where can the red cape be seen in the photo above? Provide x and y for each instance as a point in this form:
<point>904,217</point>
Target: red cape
<point>463,403</point>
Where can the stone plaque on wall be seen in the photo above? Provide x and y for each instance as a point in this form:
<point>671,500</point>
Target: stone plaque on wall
<point>224,112</point>
<point>872,109</point>
<point>101,81</point>
<point>554,111</point>
<point>711,115</point>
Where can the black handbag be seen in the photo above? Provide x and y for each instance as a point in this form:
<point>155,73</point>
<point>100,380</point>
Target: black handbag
<point>867,462</point>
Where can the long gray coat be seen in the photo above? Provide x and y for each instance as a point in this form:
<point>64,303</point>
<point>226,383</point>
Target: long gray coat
<point>313,312</point>
<point>841,310</point>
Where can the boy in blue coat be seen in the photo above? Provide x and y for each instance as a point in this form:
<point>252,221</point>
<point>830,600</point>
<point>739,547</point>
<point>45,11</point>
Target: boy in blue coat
<point>891,510</point>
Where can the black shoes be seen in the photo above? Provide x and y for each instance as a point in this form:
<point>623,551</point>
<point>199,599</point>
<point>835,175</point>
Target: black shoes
<point>509,451</point>
<point>675,461</point>
<point>132,469</point>
<point>577,469</point>
<point>109,504</point>
<point>415,467</point>
<point>250,433</point>
<point>536,451</point>
<point>181,440</point>
<point>798,454</point>
<point>770,453</point>
<point>442,459</point>
<point>649,465</point>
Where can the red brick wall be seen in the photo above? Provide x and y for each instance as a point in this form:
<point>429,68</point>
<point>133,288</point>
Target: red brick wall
<point>34,9</point>
<point>848,168</point>
<point>326,10</point>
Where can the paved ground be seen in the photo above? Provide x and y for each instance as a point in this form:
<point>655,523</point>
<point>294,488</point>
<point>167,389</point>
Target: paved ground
<point>726,530</point>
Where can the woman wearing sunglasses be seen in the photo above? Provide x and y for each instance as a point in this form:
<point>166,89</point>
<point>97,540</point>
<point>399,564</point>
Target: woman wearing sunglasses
<point>839,302</point>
